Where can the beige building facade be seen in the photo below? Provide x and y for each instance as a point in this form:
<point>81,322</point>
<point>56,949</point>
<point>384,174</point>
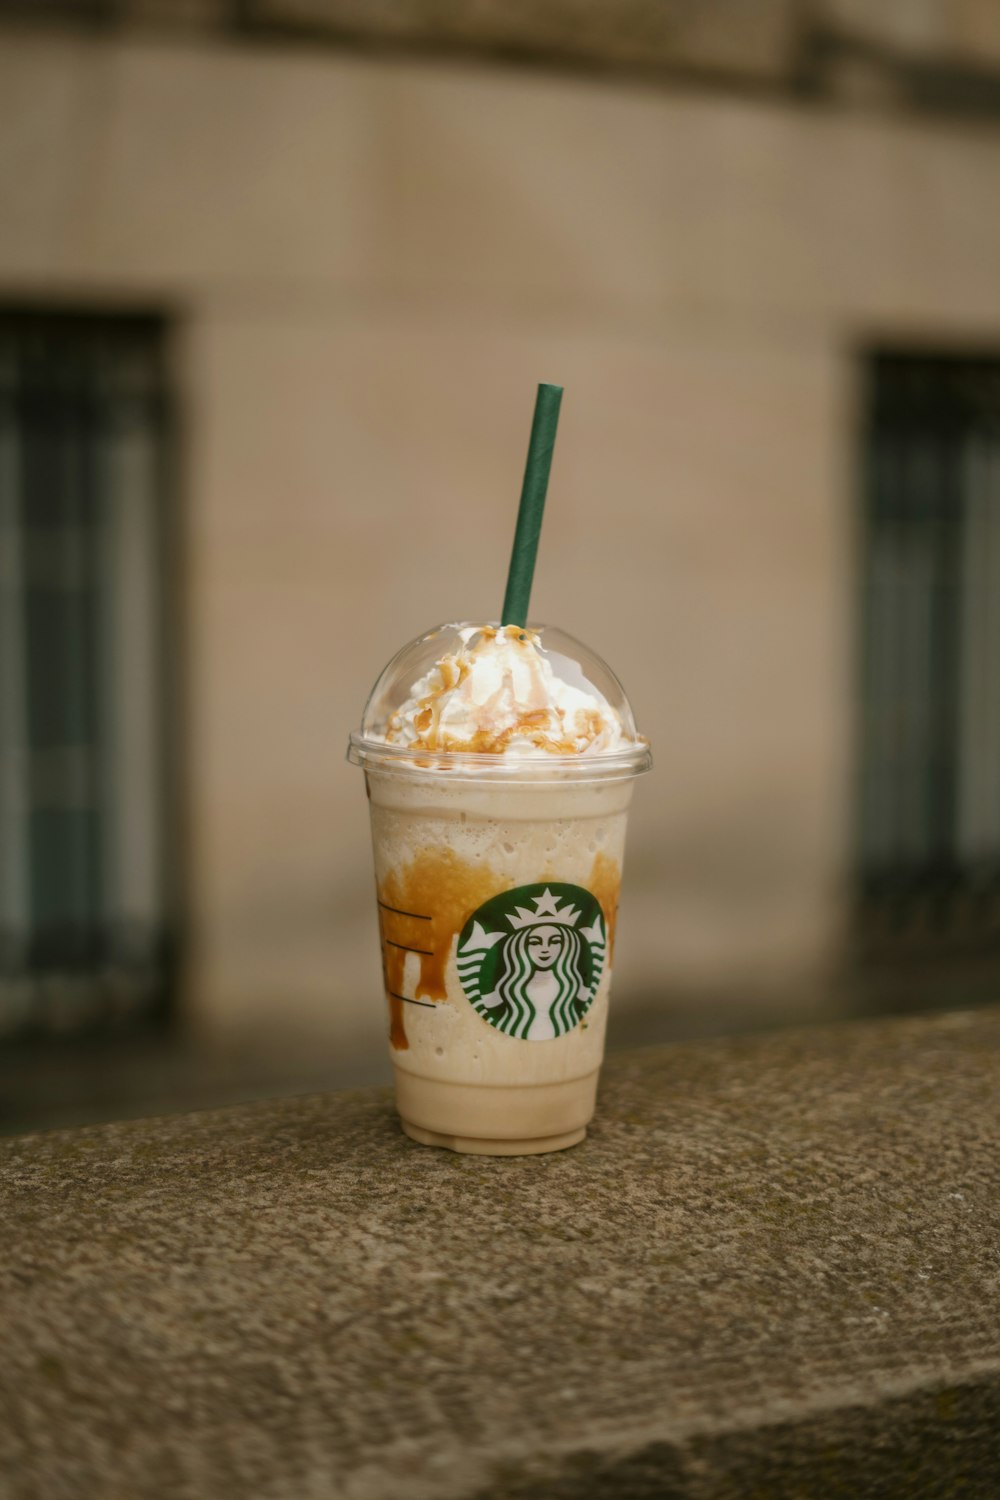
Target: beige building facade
<point>369,263</point>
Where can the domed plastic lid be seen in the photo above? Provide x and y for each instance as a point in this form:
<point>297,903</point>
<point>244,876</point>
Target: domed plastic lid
<point>482,700</point>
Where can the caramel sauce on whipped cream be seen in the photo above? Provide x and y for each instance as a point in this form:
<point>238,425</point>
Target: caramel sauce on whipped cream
<point>498,694</point>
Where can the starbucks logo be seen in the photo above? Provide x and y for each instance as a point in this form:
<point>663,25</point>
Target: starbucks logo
<point>530,961</point>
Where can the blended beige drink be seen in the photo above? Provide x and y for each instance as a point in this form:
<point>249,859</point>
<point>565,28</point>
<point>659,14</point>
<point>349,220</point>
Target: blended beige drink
<point>500,765</point>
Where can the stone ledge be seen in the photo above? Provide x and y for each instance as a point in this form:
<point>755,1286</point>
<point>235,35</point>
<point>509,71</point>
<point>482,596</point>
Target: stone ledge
<point>770,1270</point>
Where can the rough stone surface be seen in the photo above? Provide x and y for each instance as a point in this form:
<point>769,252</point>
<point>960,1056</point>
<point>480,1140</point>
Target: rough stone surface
<point>771,1269</point>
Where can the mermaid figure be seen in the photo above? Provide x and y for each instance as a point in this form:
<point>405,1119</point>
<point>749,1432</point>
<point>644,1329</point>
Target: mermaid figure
<point>540,982</point>
<point>529,965</point>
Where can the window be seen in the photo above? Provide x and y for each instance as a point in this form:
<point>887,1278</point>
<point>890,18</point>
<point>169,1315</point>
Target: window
<point>930,720</point>
<point>84,774</point>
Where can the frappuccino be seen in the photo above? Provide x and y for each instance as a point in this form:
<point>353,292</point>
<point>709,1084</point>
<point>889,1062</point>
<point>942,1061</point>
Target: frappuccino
<point>500,764</point>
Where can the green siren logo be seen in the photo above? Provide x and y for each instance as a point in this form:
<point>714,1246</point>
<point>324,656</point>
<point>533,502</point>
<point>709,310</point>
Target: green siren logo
<point>530,960</point>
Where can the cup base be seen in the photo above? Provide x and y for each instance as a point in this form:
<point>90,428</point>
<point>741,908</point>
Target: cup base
<point>472,1145</point>
<point>495,1119</point>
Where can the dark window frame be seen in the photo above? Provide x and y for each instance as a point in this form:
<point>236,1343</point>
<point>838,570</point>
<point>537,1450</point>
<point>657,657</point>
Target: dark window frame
<point>928,832</point>
<point>101,381</point>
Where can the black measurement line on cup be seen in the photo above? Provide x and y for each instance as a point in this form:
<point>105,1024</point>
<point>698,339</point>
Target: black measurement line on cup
<point>427,1004</point>
<point>407,949</point>
<point>400,913</point>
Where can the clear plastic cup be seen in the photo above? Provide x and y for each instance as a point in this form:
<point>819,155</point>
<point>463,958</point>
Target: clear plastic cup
<point>497,882</point>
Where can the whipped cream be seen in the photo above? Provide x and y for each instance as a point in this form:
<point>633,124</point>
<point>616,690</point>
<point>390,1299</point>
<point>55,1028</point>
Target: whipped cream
<point>499,695</point>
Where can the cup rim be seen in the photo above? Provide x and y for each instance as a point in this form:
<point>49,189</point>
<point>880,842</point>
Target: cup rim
<point>612,765</point>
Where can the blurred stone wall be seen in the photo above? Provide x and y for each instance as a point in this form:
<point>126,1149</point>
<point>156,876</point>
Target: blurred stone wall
<point>371,262</point>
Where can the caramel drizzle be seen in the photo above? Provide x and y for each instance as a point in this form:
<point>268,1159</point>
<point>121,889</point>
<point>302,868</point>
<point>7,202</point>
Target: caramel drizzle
<point>543,728</point>
<point>422,909</point>
<point>605,883</point>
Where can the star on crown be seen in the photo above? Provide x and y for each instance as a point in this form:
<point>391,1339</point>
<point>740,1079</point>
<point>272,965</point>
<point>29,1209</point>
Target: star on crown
<point>547,909</point>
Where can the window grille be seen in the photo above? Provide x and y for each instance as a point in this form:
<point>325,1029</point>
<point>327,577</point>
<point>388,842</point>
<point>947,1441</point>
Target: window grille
<point>84,734</point>
<point>930,721</point>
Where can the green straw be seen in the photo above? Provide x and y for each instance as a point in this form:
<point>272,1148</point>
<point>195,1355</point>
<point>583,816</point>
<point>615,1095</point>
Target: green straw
<point>529,513</point>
